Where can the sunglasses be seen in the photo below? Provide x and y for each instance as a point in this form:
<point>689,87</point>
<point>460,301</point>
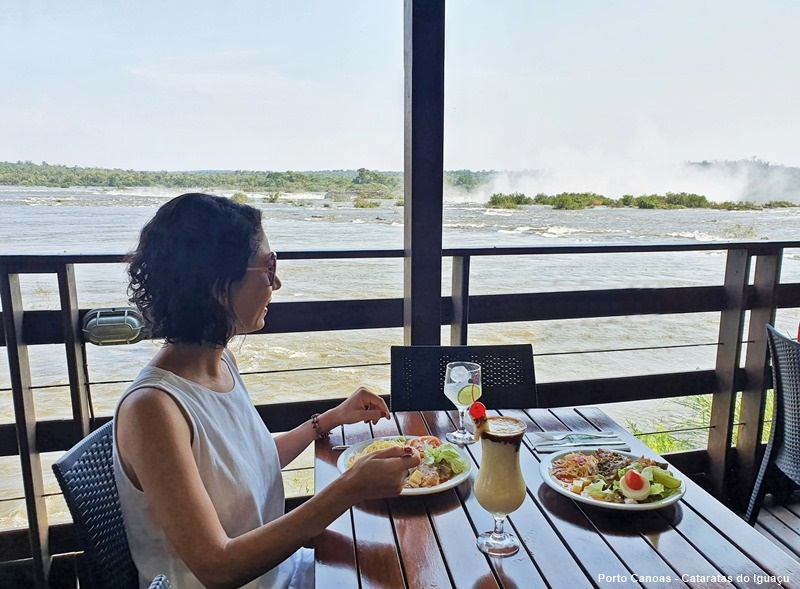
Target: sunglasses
<point>271,268</point>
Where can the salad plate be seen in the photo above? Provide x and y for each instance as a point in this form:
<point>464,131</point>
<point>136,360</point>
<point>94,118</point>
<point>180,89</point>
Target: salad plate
<point>546,469</point>
<point>344,458</point>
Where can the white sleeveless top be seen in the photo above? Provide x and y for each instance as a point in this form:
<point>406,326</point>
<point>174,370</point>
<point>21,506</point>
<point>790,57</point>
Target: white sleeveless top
<point>239,465</point>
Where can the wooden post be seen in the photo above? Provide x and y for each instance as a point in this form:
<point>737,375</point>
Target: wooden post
<point>460,298</point>
<point>751,416</point>
<point>25,417</point>
<point>75,350</point>
<point>737,275</point>
<point>424,175</point>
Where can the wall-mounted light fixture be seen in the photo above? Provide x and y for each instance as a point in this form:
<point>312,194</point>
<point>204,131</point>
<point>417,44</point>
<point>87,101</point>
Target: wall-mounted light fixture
<point>112,326</point>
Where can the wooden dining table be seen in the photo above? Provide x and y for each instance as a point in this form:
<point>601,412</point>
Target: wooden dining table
<point>429,540</point>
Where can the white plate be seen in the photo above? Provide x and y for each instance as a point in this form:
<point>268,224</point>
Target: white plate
<point>546,466</point>
<point>459,478</point>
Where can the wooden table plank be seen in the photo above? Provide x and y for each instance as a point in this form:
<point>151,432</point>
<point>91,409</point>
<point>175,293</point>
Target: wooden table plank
<point>520,570</point>
<point>377,556</point>
<point>650,568</point>
<point>334,549</point>
<point>723,552</point>
<point>544,420</point>
<point>591,550</point>
<point>673,547</point>
<point>467,565</point>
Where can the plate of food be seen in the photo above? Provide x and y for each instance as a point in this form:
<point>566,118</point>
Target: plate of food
<point>443,466</point>
<point>612,479</point>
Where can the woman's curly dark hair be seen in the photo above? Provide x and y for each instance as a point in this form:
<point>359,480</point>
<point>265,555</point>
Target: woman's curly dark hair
<point>188,255</point>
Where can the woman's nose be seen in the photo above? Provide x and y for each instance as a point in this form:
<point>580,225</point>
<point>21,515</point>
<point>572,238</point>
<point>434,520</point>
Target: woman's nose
<point>276,283</point>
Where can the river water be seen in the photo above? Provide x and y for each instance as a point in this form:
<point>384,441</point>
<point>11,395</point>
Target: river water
<point>81,220</point>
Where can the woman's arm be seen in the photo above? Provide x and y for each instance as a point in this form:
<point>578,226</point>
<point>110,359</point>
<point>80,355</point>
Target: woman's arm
<point>154,440</point>
<point>362,405</point>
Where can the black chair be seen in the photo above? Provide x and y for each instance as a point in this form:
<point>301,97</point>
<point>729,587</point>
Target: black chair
<point>783,448</point>
<point>507,375</point>
<point>86,476</point>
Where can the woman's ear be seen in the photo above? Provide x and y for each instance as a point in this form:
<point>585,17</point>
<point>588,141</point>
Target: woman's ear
<point>221,294</point>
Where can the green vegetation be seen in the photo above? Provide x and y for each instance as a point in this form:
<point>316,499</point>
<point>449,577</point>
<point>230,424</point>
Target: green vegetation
<point>362,181</point>
<point>467,180</point>
<point>348,185</point>
<point>575,200</point>
<point>240,197</point>
<point>671,200</point>
<point>362,202</point>
<point>661,440</point>
<point>508,201</point>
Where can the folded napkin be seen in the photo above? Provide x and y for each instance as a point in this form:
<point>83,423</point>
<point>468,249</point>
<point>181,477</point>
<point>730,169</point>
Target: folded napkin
<point>544,446</point>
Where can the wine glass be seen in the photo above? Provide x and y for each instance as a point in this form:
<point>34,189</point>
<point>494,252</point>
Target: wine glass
<point>499,486</point>
<point>462,385</point>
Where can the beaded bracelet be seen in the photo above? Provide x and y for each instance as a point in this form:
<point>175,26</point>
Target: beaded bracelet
<point>321,435</point>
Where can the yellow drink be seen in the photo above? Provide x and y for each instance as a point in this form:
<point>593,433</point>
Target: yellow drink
<point>499,486</point>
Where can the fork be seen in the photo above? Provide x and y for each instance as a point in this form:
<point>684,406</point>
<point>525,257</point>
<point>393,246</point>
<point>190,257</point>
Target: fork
<point>568,436</point>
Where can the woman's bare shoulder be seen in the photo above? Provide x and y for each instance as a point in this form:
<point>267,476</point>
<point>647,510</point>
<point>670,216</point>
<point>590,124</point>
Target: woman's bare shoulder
<point>149,408</point>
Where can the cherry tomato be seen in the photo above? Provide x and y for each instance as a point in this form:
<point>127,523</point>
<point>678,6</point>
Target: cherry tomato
<point>634,480</point>
<point>477,410</point>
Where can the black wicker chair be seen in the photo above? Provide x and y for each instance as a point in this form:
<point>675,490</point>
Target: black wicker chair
<point>783,448</point>
<point>506,372</point>
<point>86,476</point>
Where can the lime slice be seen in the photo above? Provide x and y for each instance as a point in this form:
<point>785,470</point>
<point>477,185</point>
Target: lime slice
<point>468,394</point>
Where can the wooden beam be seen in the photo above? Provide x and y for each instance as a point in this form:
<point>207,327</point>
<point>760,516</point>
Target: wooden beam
<point>737,276</point>
<point>25,421</point>
<point>754,393</point>
<point>423,170</point>
<point>75,349</point>
<point>460,301</point>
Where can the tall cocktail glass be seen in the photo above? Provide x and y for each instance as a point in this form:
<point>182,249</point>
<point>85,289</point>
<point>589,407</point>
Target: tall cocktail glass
<point>499,486</point>
<point>462,385</point>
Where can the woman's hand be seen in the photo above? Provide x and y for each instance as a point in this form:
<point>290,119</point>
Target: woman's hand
<point>382,474</point>
<point>363,405</point>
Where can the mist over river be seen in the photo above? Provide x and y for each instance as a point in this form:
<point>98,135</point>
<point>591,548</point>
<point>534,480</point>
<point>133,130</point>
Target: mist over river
<point>86,220</point>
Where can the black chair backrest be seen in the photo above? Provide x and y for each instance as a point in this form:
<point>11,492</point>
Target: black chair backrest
<point>783,447</point>
<point>785,354</point>
<point>506,373</point>
<point>86,476</point>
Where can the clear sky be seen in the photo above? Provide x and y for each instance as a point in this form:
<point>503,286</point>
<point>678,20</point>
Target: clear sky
<point>306,85</point>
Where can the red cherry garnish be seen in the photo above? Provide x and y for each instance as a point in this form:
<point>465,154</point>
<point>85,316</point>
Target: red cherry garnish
<point>477,410</point>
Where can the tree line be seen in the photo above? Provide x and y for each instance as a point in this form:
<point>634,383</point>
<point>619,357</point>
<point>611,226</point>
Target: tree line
<point>584,200</point>
<point>363,183</point>
<point>372,183</point>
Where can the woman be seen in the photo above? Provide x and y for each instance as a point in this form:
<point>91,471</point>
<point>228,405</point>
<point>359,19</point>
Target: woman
<point>198,473</point>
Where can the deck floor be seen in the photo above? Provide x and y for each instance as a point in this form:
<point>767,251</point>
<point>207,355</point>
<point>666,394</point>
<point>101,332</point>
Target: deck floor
<point>781,524</point>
